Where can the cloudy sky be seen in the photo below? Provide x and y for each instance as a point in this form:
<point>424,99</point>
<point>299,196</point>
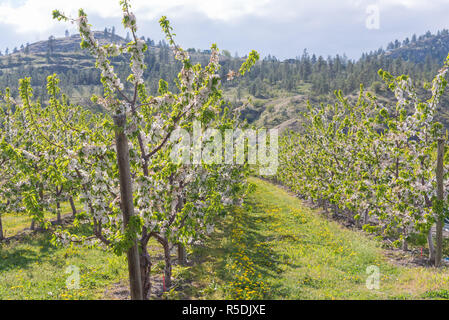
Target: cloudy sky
<point>278,27</point>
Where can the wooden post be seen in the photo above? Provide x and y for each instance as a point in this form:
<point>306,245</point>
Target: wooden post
<point>58,212</point>
<point>127,206</point>
<point>431,247</point>
<point>440,198</point>
<point>1,228</point>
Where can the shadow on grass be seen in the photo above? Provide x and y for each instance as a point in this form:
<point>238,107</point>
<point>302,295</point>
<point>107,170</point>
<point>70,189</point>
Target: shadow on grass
<point>20,254</point>
<point>32,248</point>
<point>211,260</point>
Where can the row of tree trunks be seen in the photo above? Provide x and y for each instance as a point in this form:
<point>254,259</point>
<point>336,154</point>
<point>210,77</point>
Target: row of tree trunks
<point>145,265</point>
<point>58,214</point>
<point>182,260</point>
<point>435,250</point>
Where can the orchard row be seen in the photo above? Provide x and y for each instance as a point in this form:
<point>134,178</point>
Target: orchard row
<point>375,164</point>
<point>119,164</point>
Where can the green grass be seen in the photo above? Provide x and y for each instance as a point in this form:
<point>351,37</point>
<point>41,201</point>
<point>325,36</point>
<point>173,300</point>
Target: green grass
<point>34,269</point>
<point>275,248</point>
<point>284,250</point>
<point>13,223</point>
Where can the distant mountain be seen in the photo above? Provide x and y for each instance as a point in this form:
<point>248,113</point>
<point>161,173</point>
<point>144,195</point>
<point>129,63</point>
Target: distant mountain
<point>76,67</point>
<point>430,46</point>
<point>71,43</point>
<point>278,90</point>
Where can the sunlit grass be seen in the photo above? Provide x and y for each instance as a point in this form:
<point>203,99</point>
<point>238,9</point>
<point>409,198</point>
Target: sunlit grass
<point>34,269</point>
<point>13,223</point>
<point>283,250</point>
<point>275,248</point>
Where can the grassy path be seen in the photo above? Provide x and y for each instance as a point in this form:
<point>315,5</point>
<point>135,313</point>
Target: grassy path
<point>276,248</point>
<point>284,250</point>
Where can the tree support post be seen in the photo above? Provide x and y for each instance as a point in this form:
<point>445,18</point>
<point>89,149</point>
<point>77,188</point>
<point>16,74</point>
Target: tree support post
<point>431,247</point>
<point>440,199</point>
<point>127,205</point>
<point>1,228</point>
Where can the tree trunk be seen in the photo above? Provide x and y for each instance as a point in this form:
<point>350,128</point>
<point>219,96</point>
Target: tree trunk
<point>1,228</point>
<point>127,206</point>
<point>440,197</point>
<point>58,212</point>
<point>439,241</point>
<point>72,205</point>
<point>167,268</point>
<point>33,224</point>
<point>359,223</point>
<point>181,254</point>
<point>404,244</point>
<point>335,208</point>
<point>326,207</point>
<point>145,272</point>
<point>365,217</point>
<point>350,216</point>
<point>431,247</point>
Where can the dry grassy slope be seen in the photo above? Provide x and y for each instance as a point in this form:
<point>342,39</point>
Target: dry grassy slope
<point>66,54</point>
<point>284,113</point>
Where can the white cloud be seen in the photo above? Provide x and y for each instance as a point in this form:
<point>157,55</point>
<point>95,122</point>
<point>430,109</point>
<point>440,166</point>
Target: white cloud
<point>35,15</point>
<point>280,27</point>
<point>217,9</point>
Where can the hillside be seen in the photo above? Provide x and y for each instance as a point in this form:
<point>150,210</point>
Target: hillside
<point>428,46</point>
<point>76,67</point>
<point>278,90</point>
<point>54,55</point>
